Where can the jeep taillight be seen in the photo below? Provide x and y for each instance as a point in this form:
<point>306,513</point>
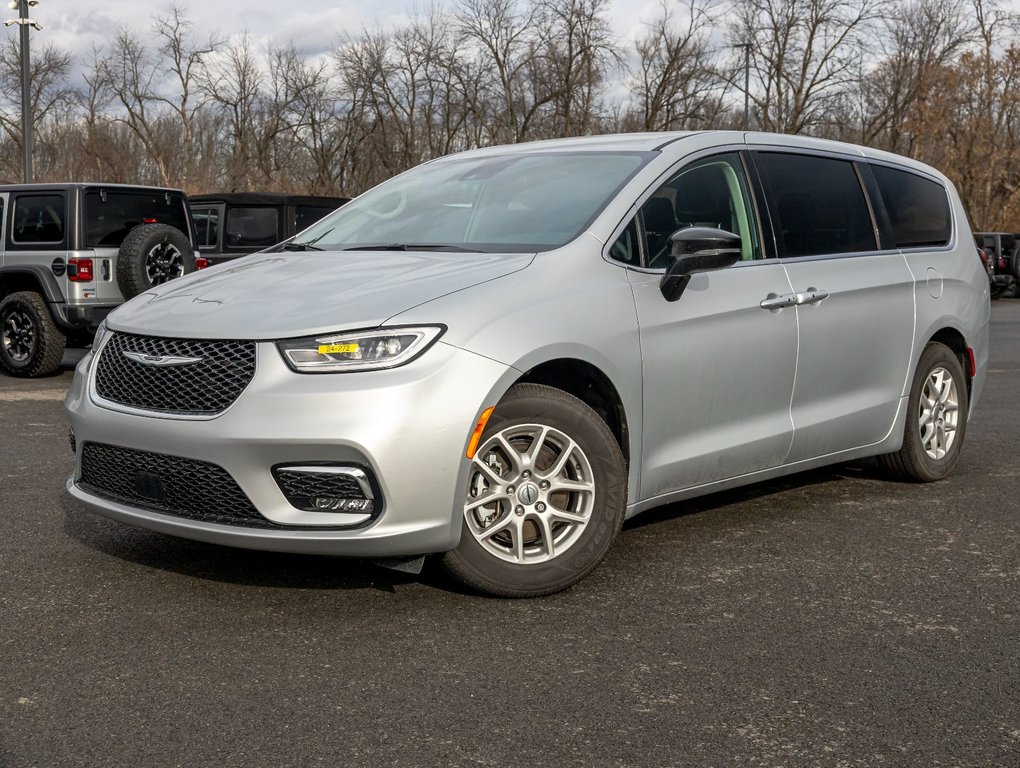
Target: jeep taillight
<point>80,270</point>
<point>201,262</point>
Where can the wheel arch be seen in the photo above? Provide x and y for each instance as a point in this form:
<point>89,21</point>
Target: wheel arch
<point>589,384</point>
<point>955,340</point>
<point>29,278</point>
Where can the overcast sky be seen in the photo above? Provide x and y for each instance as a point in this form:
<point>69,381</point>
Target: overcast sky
<point>313,25</point>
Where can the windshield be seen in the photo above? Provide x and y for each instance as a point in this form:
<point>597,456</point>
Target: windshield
<point>508,203</point>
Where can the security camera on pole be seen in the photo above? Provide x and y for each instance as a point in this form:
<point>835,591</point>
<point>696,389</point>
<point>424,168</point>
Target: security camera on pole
<point>26,69</point>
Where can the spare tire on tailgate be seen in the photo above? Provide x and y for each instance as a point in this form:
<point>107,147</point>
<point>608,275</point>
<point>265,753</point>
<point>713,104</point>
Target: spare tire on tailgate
<point>152,254</point>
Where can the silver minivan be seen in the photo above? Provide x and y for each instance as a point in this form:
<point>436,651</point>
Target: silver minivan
<point>499,356</point>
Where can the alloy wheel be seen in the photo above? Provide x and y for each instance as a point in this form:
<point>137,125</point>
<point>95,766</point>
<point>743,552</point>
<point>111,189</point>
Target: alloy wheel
<point>939,413</point>
<point>531,494</point>
<point>18,336</point>
<point>163,262</point>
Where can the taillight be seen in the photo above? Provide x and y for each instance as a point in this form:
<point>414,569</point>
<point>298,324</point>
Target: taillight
<point>984,257</point>
<point>150,221</point>
<point>80,270</point>
<point>201,262</point>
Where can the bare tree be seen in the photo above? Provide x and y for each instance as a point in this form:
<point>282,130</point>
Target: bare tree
<point>804,55</point>
<point>570,61</point>
<point>149,85</point>
<point>50,93</point>
<point>676,83</point>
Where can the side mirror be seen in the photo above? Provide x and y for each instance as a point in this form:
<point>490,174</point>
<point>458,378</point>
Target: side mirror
<point>697,249</point>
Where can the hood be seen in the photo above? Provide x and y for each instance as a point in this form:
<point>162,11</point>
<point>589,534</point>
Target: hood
<point>280,295</point>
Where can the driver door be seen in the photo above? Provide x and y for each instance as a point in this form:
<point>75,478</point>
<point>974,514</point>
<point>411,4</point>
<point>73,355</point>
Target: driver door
<point>717,369</point>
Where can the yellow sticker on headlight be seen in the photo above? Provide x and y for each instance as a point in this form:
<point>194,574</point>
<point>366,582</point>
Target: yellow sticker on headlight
<point>337,349</point>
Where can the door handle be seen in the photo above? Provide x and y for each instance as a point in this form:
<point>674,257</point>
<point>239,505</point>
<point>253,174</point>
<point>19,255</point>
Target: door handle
<point>774,302</point>
<point>811,296</point>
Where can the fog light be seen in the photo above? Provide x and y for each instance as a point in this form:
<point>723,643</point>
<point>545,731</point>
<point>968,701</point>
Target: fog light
<point>72,441</point>
<point>326,488</point>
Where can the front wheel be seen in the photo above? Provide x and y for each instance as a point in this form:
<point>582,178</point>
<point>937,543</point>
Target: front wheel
<point>936,418</point>
<point>31,344</point>
<point>545,497</point>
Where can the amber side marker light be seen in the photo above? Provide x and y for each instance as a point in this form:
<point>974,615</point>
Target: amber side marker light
<point>476,436</point>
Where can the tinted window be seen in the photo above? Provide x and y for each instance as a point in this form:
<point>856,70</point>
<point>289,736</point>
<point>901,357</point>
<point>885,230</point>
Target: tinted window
<point>711,192</point>
<point>306,215</point>
<point>252,228</point>
<point>111,214</point>
<point>817,204</point>
<point>918,208</point>
<point>207,226</point>
<point>38,219</point>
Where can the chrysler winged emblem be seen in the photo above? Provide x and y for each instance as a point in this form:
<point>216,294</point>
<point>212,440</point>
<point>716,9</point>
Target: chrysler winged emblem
<point>160,361</point>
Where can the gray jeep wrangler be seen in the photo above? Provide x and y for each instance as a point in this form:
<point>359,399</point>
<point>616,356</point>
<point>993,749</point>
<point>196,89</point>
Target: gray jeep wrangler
<point>70,253</point>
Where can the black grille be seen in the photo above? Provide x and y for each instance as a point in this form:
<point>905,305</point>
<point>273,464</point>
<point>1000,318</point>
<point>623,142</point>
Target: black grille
<point>310,484</point>
<point>187,488</point>
<point>205,387</point>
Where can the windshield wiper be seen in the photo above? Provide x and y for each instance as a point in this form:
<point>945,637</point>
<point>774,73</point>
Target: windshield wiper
<point>299,247</point>
<point>412,247</point>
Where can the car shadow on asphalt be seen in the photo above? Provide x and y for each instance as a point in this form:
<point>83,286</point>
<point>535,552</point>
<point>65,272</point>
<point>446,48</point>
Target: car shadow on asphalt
<point>863,469</point>
<point>232,565</point>
<point>257,568</point>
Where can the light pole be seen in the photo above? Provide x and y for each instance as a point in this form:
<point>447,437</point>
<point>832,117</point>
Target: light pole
<point>747,83</point>
<point>22,7</point>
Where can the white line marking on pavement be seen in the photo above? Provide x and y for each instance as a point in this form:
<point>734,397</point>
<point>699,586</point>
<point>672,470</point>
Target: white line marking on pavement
<point>14,396</point>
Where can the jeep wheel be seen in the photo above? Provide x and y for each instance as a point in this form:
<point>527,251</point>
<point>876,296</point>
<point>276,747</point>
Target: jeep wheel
<point>30,343</point>
<point>152,254</point>
<point>545,496</point>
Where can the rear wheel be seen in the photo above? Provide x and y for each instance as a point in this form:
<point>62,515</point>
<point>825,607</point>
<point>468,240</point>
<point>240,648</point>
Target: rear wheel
<point>545,497</point>
<point>936,418</point>
<point>30,343</point>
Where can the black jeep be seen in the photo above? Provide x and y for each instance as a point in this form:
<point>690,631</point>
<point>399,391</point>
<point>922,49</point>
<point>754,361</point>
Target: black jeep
<point>233,224</point>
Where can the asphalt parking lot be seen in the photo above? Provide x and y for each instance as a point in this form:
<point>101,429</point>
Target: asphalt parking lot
<point>829,619</point>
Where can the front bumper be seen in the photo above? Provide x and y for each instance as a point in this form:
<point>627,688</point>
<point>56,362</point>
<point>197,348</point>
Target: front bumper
<point>409,425</point>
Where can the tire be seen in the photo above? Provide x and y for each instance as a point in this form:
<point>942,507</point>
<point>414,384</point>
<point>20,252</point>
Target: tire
<point>534,525</point>
<point>932,436</point>
<point>152,254</point>
<point>31,344</point>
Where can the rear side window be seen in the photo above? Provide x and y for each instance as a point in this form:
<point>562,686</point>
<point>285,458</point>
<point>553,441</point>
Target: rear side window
<point>38,219</point>
<point>252,228</point>
<point>306,215</point>
<point>918,208</point>
<point>111,214</point>
<point>817,204</point>
<point>207,226</point>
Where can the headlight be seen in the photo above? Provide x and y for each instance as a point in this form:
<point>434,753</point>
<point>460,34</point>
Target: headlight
<point>102,334</point>
<point>359,350</point>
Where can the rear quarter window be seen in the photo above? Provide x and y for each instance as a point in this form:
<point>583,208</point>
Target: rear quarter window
<point>918,208</point>
<point>207,226</point>
<point>306,215</point>
<point>252,227</point>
